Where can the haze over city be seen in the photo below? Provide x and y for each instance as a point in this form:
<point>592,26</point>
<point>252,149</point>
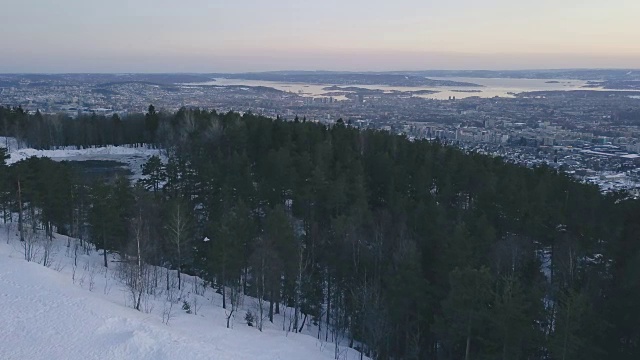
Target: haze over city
<point>252,35</point>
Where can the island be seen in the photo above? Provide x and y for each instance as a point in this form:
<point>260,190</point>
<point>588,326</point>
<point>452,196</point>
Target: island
<point>339,78</point>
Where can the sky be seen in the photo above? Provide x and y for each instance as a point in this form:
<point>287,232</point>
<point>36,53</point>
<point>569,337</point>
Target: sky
<point>261,35</point>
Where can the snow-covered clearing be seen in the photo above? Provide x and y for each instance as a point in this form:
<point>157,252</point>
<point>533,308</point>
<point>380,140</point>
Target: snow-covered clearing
<point>132,157</point>
<point>83,312</point>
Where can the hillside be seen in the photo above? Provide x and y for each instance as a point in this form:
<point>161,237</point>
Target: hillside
<point>46,314</point>
<point>404,249</point>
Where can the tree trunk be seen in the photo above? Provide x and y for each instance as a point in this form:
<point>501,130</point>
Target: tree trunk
<point>504,350</point>
<point>20,219</point>
<point>139,297</point>
<point>271,307</point>
<point>224,284</point>
<point>32,213</point>
<point>139,279</point>
<point>296,316</point>
<point>229,317</point>
<point>261,296</point>
<point>104,245</point>
<point>566,331</point>
<point>326,337</point>
<point>224,296</point>
<point>244,279</point>
<point>303,321</point>
<point>468,349</point>
<point>551,281</point>
<point>466,353</point>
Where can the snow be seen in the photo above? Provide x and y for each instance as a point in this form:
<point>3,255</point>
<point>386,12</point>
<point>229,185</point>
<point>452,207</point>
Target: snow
<point>96,153</point>
<point>133,157</point>
<point>631,156</point>
<point>9,143</point>
<point>56,313</point>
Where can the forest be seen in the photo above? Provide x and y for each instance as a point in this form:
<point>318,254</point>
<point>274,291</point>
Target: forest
<point>402,249</point>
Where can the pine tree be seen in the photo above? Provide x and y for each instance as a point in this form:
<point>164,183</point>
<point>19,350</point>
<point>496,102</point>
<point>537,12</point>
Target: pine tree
<point>464,309</point>
<point>151,124</point>
<point>154,172</point>
<point>109,215</point>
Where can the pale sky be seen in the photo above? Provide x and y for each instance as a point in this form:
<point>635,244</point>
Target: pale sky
<point>258,35</point>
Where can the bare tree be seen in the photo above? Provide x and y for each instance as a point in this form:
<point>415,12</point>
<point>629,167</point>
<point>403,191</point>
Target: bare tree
<point>132,269</point>
<point>8,228</point>
<point>172,297</point>
<point>339,323</point>
<point>234,300</point>
<point>178,227</point>
<point>303,264</point>
<point>49,253</point>
<point>262,261</point>
<point>29,244</point>
<point>93,270</point>
<point>20,215</point>
<point>196,305</point>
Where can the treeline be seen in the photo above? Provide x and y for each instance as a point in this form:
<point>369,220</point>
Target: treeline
<point>46,131</point>
<point>405,250</point>
<point>49,131</point>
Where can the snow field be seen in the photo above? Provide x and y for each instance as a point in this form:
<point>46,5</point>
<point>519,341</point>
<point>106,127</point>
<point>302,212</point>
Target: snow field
<point>133,157</point>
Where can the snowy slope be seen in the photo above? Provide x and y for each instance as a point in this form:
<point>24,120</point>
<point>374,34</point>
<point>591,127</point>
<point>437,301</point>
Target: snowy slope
<point>50,313</point>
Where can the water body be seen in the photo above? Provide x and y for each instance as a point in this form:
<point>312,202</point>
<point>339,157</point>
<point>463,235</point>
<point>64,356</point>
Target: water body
<point>503,87</point>
<point>491,87</point>
<point>100,170</point>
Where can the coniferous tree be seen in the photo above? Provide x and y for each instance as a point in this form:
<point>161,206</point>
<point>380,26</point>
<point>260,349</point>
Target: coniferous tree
<point>154,173</point>
<point>4,187</point>
<point>109,215</point>
<point>151,123</point>
<point>464,310</point>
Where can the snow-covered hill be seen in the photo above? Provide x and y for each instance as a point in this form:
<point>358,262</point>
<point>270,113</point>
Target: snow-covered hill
<point>62,311</point>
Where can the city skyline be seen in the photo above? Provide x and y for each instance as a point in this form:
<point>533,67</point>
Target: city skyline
<point>249,35</point>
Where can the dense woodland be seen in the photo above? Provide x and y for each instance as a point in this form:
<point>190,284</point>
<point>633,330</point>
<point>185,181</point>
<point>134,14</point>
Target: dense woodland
<point>404,250</point>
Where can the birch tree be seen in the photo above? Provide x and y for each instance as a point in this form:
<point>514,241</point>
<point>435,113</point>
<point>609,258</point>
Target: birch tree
<point>178,229</point>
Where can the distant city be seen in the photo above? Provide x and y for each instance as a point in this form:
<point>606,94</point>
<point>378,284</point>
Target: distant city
<point>583,122</point>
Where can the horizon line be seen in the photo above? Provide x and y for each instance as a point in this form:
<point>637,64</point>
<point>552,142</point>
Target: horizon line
<point>320,71</point>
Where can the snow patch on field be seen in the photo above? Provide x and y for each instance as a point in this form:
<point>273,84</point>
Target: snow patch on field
<point>97,153</point>
<point>133,157</point>
<point>80,312</point>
